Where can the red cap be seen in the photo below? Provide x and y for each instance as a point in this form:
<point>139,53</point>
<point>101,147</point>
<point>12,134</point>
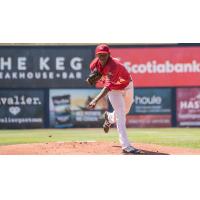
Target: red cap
<point>102,48</point>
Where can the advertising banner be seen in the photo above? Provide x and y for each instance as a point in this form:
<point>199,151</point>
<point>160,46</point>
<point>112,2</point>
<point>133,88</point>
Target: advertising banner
<point>142,121</point>
<point>188,106</point>
<point>161,66</point>
<point>44,67</point>
<point>68,108</point>
<point>21,109</point>
<point>152,101</point>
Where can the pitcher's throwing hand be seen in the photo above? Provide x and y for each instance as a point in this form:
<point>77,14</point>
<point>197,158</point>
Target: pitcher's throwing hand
<point>92,104</point>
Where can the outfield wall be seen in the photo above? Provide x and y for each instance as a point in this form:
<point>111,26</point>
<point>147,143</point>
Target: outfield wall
<point>44,86</point>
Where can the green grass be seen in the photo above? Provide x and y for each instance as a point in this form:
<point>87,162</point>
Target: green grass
<point>181,137</point>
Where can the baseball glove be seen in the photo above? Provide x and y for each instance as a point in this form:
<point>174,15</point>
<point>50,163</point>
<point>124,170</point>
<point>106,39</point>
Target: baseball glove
<point>93,77</point>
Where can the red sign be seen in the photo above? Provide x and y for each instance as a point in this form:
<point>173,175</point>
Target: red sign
<point>188,106</point>
<point>161,66</point>
<point>139,121</point>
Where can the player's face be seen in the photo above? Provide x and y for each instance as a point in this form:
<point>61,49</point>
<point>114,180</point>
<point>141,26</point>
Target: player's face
<point>103,58</point>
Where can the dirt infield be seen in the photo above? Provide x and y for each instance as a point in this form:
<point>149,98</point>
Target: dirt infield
<point>90,148</point>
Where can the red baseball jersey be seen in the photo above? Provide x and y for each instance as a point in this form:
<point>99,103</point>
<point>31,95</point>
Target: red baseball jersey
<point>114,74</point>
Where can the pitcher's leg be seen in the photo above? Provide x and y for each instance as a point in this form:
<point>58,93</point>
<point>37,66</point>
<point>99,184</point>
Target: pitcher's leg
<point>129,97</point>
<point>118,104</point>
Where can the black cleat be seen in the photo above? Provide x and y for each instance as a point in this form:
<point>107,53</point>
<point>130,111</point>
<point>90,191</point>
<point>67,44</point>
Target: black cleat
<point>131,150</point>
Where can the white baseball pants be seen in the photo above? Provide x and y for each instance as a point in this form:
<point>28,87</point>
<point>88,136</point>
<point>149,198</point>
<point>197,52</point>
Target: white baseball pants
<point>121,101</point>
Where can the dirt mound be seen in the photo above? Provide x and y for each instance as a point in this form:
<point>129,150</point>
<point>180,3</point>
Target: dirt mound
<point>90,148</point>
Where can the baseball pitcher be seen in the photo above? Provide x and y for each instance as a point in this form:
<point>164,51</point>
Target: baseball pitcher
<point>118,85</point>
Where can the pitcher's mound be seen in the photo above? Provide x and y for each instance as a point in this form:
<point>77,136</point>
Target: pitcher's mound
<point>90,148</point>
